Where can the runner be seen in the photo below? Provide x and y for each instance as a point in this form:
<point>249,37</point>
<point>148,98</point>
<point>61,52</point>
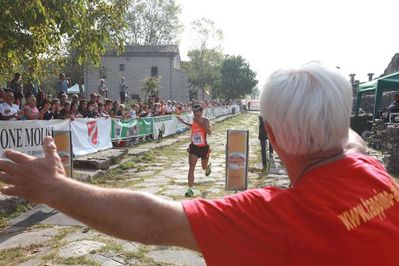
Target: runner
<point>198,148</point>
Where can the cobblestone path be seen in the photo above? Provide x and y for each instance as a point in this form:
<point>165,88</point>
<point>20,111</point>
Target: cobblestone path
<point>43,236</point>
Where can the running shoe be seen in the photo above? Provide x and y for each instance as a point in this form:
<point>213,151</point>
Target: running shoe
<point>189,193</point>
<point>208,170</point>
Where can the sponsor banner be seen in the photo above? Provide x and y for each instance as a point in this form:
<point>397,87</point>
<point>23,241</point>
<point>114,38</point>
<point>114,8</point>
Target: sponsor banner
<point>128,128</point>
<point>27,136</point>
<point>90,135</point>
<point>169,125</point>
<point>63,141</point>
<point>237,160</point>
<point>214,112</point>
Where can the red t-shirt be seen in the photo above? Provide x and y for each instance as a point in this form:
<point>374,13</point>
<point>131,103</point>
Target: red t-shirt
<point>342,213</point>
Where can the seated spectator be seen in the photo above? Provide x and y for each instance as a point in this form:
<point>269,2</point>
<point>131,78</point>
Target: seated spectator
<point>179,109</point>
<point>41,97</point>
<point>8,109</point>
<point>54,110</point>
<point>75,99</point>
<point>90,110</point>
<point>65,112</point>
<point>101,111</point>
<point>133,111</point>
<point>122,110</point>
<point>82,106</point>
<point>93,97</point>
<point>168,108</point>
<point>63,98</point>
<point>74,111</point>
<point>45,109</point>
<point>30,111</point>
<point>115,111</point>
<point>156,109</point>
<point>98,99</point>
<point>108,106</point>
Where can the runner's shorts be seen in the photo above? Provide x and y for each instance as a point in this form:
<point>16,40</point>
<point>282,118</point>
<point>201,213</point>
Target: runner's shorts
<point>200,152</point>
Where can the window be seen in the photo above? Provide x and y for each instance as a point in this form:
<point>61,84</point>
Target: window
<point>121,67</point>
<point>103,71</point>
<point>154,71</point>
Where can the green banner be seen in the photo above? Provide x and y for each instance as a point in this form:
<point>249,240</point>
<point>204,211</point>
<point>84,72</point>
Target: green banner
<point>128,128</point>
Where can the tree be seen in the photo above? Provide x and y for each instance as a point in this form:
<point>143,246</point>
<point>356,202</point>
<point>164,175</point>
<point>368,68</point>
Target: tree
<point>255,93</point>
<point>32,33</point>
<point>203,69</point>
<point>238,79</point>
<point>151,86</point>
<point>153,22</point>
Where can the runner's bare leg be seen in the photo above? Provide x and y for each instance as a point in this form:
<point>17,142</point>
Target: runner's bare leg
<point>192,160</point>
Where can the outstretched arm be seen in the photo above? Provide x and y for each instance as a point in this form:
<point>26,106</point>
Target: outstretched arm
<point>124,214</point>
<point>182,121</point>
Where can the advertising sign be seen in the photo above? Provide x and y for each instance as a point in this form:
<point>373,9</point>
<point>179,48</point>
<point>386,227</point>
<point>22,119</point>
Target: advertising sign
<point>128,128</point>
<point>27,137</point>
<point>63,142</point>
<point>237,160</point>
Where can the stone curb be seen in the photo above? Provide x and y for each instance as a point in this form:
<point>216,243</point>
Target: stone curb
<point>100,160</point>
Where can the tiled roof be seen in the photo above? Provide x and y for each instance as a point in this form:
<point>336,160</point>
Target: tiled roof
<point>148,50</point>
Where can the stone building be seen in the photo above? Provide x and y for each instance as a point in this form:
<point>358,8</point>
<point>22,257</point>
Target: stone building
<point>137,63</point>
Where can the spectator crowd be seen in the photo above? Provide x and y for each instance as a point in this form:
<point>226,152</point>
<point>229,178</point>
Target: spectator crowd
<point>16,103</point>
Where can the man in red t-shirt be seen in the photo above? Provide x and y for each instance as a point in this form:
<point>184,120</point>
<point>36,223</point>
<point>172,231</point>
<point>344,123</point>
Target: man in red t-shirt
<point>342,207</point>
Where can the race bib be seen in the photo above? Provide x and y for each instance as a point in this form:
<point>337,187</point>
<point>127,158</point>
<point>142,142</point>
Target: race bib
<point>197,139</point>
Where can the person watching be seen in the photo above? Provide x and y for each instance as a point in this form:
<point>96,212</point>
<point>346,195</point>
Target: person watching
<point>342,207</point>
<point>30,111</point>
<point>8,109</point>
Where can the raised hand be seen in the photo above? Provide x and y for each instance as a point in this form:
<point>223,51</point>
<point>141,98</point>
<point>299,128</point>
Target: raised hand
<point>32,178</point>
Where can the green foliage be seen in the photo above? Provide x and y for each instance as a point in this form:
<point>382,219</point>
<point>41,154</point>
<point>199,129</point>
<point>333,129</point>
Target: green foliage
<point>153,22</point>
<point>151,86</point>
<point>255,93</point>
<point>36,33</point>
<point>203,70</point>
<point>238,79</point>
<point>203,67</point>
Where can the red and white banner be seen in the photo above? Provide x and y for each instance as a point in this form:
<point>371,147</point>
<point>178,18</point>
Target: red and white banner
<point>90,135</point>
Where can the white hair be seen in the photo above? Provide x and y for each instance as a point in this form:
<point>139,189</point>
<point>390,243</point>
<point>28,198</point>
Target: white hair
<point>308,109</point>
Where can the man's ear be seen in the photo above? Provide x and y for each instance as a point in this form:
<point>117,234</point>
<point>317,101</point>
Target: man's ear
<point>270,134</point>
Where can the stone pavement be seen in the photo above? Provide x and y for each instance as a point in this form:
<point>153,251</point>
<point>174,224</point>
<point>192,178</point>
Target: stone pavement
<point>43,236</point>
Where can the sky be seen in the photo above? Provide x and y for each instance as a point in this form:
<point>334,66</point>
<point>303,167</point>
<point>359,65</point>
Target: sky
<point>357,36</point>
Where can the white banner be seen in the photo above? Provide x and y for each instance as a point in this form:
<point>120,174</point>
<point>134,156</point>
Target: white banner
<point>90,135</point>
<point>27,136</point>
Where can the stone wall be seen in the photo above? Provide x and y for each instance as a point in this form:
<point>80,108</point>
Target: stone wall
<point>392,148</point>
<point>385,138</point>
<point>367,103</point>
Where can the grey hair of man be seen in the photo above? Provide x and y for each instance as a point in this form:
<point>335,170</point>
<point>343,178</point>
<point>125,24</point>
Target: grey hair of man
<point>308,109</point>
